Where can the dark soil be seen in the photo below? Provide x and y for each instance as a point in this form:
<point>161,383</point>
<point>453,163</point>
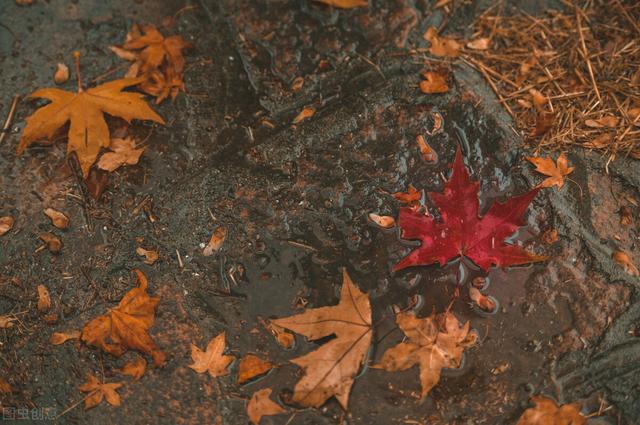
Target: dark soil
<point>295,201</point>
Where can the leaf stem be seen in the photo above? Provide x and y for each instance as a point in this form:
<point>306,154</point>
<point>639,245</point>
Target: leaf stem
<point>76,56</point>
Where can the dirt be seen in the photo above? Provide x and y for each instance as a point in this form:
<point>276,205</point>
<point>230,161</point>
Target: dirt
<point>295,201</point>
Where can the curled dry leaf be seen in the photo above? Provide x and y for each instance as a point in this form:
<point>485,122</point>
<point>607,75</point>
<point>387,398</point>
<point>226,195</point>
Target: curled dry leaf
<point>411,197</point>
<point>213,360</point>
<point>384,221</point>
<point>6,321</point>
<point>544,123</point>
<point>126,326</point>
<point>297,84</point>
<point>216,241</point>
<point>479,43</point>
<point>135,368</point>
<point>5,387</point>
<point>6,224</point>
<point>58,338</point>
<point>625,261</point>
<point>434,343</point>
<point>61,75</point>
<point>428,153</point>
<point>44,299</point>
<point>123,152</point>
<point>331,369</point>
<point>461,231</point>
<point>485,303</point>
<point>626,218</point>
<point>53,243</point>
<point>539,100</point>
<point>150,255</point>
<point>252,366</point>
<point>606,121</point>
<point>306,112</point>
<point>261,405</point>
<point>434,83</point>
<point>58,219</point>
<point>441,46</point>
<point>556,172</point>
<point>547,412</point>
<point>99,391</point>
<point>345,4</point>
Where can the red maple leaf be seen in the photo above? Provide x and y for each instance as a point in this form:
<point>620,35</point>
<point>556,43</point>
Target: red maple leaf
<point>461,231</point>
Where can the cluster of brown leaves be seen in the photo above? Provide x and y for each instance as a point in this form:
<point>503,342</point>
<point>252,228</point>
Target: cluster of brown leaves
<point>157,58</point>
<point>567,78</point>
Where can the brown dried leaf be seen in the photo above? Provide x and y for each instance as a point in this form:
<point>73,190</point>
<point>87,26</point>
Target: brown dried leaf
<point>441,46</point>
<point>53,243</point>
<point>151,256</point>
<point>331,369</point>
<point>550,236</point>
<point>6,321</point>
<point>307,112</point>
<point>297,84</point>
<point>58,219</point>
<point>556,172</point>
<point>625,261</point>
<point>544,123</point>
<point>135,368</point>
<point>345,4</point>
<point>428,153</point>
<point>384,221</point>
<point>626,218</point>
<point>602,141</point>
<point>6,224</point>
<point>434,343</point>
<point>99,391</point>
<point>539,100</point>
<point>216,241</point>
<point>58,338</point>
<point>252,366</point>
<point>261,405</point>
<point>123,151</point>
<point>434,83</point>
<point>547,412</point>
<point>485,303</point>
<point>607,121</point>
<point>213,360</point>
<point>284,338</point>
<point>5,387</point>
<point>479,44</point>
<point>61,75</point>
<point>44,299</point>
<point>126,326</point>
<point>411,197</point>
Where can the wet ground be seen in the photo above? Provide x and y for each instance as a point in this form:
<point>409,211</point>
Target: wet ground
<point>295,200</point>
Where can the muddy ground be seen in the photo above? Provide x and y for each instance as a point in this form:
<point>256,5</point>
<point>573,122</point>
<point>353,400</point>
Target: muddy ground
<point>295,201</point>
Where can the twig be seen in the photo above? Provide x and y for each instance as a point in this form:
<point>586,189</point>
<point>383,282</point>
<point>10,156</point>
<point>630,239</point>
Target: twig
<point>77,172</point>
<point>586,54</point>
<point>486,76</point>
<point>9,120</point>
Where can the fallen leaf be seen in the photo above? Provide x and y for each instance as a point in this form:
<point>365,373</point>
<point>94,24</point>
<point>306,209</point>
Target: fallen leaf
<point>485,303</point>
<point>216,241</point>
<point>434,83</point>
<point>213,360</point>
<point>441,46</point>
<point>606,121</point>
<point>58,219</point>
<point>6,321</point>
<point>135,368</point>
<point>44,299</point>
<point>331,369</point>
<point>252,366</point>
<point>125,327</point>
<point>461,231</point>
<point>307,112</point>
<point>261,405</point>
<point>162,85</point>
<point>434,343</point>
<point>547,412</point>
<point>384,221</point>
<point>626,218</point>
<point>625,261</point>
<point>6,224</point>
<point>150,255</point>
<point>123,151</point>
<point>539,100</point>
<point>602,141</point>
<point>88,132</point>
<point>61,75</point>
<point>544,123</point>
<point>297,84</point>
<point>284,338</point>
<point>428,154</point>
<point>411,197</point>
<point>634,115</point>
<point>479,44</point>
<point>556,172</point>
<point>58,338</point>
<point>5,387</point>
<point>345,4</point>
<point>99,391</point>
<point>550,236</point>
<point>53,243</point>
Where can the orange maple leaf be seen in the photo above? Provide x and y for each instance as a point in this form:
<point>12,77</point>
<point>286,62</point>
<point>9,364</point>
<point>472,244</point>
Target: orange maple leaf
<point>261,405</point>
<point>88,132</point>
<point>556,172</point>
<point>331,369</point>
<point>99,391</point>
<point>212,360</point>
<point>435,342</point>
<point>547,412</point>
<point>125,327</point>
